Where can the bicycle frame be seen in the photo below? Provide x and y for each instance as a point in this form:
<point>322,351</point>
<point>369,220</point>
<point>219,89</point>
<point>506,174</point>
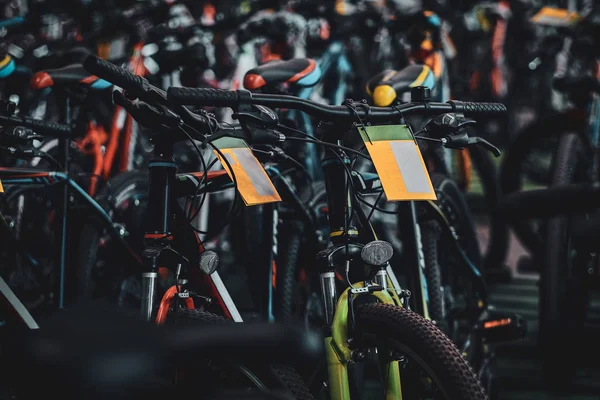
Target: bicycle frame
<point>161,234</point>
<point>123,121</point>
<point>344,246</point>
<point>34,177</point>
<point>16,309</point>
<point>119,141</point>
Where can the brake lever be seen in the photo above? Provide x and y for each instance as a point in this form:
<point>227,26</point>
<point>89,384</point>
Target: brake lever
<point>463,140</point>
<point>21,134</point>
<point>145,114</point>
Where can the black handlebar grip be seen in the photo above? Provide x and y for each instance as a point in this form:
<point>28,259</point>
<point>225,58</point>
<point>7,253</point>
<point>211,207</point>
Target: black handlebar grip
<point>204,97</point>
<point>479,109</point>
<point>48,128</point>
<point>115,75</point>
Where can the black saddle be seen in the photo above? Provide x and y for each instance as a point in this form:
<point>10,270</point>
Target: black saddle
<point>71,75</point>
<point>302,72</point>
<point>576,84</point>
<point>388,84</point>
<point>58,59</point>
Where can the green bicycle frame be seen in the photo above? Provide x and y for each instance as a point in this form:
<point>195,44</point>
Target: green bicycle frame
<point>339,354</point>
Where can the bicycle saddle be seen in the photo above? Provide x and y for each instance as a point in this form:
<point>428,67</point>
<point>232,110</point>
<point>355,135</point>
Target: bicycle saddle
<point>61,58</point>
<point>70,75</point>
<point>302,72</point>
<point>576,84</point>
<point>7,66</point>
<point>387,85</point>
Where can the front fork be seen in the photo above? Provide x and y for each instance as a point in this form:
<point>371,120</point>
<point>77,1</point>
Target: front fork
<point>337,310</point>
<point>339,354</point>
<point>162,170</point>
<point>148,294</point>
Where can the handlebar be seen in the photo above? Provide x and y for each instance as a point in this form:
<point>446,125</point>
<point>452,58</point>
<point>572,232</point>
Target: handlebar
<point>39,126</point>
<point>234,98</point>
<point>134,84</point>
<point>141,88</point>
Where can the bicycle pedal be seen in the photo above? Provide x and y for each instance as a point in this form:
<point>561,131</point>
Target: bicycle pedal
<point>502,327</point>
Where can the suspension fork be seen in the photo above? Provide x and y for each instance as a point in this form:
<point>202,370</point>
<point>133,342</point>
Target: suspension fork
<point>158,235</point>
<point>340,355</point>
<point>339,212</point>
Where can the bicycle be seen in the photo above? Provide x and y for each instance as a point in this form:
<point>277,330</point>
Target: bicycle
<point>170,241</point>
<point>373,316</point>
<point>94,151</point>
<point>388,87</point>
<point>566,265</point>
<point>36,178</point>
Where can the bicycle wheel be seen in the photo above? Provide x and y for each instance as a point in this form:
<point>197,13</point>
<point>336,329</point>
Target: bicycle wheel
<point>513,167</point>
<point>431,366</point>
<point>293,252</point>
<point>563,295</point>
<point>430,234</point>
<point>452,201</point>
<point>100,269</point>
<point>218,374</point>
<point>287,270</point>
<point>447,284</point>
<point>254,250</point>
<point>27,254</point>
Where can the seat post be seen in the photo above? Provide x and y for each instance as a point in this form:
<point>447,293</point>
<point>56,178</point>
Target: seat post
<point>62,196</point>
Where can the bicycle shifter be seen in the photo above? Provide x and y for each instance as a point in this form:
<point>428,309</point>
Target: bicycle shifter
<point>257,115</point>
<point>446,124</point>
<point>453,131</point>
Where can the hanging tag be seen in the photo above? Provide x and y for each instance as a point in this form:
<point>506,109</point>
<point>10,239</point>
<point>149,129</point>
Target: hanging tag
<point>556,17</point>
<point>399,162</point>
<point>1,187</point>
<point>253,183</point>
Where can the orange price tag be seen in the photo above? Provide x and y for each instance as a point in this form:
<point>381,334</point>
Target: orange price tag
<point>253,182</point>
<point>398,162</point>
<point>551,16</point>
